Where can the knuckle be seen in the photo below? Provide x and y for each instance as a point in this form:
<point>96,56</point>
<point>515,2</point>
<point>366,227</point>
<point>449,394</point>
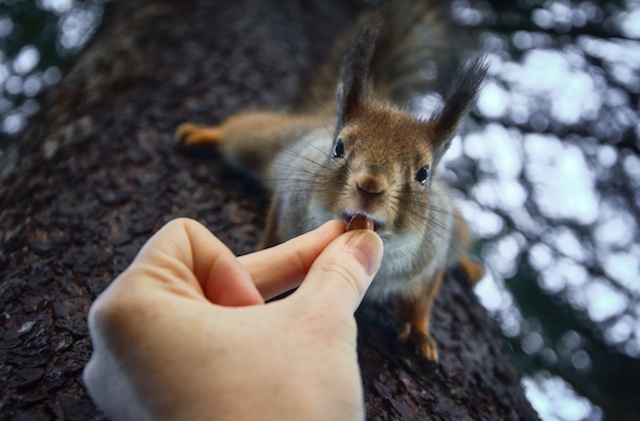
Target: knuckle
<point>348,276</point>
<point>104,314</point>
<point>300,260</point>
<point>112,310</point>
<point>183,222</point>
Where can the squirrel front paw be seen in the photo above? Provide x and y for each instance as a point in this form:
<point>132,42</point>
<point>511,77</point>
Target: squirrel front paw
<point>190,134</point>
<point>471,268</point>
<point>427,346</point>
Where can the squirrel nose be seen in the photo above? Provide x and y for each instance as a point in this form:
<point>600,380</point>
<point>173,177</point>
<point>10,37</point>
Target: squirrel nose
<point>370,184</point>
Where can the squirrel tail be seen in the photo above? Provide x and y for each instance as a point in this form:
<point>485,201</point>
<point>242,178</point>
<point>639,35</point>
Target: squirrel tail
<point>416,49</point>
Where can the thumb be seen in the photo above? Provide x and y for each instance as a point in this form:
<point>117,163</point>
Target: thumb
<point>344,270</point>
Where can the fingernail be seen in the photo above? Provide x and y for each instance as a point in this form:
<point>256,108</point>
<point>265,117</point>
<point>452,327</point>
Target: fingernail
<point>366,246</point>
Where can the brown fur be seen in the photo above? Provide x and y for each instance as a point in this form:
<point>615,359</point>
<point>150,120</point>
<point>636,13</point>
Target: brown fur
<point>253,138</point>
<point>414,313</point>
<point>368,137</point>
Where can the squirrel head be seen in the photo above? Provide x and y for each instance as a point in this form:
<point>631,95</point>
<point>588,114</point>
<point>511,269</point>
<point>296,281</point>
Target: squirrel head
<point>383,158</point>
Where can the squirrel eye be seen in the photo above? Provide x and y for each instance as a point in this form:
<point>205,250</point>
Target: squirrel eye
<point>338,149</point>
<point>422,175</point>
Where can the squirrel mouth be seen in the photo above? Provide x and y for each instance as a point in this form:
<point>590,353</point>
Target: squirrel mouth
<point>361,221</point>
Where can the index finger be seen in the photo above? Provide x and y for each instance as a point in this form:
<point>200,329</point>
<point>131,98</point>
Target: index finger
<point>279,269</point>
<point>184,253</point>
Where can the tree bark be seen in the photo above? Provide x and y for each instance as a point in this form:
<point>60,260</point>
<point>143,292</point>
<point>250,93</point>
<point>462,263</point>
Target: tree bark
<point>98,171</point>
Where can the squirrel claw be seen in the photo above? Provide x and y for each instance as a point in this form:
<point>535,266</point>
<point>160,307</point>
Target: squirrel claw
<point>403,336</point>
<point>190,134</point>
<point>427,346</point>
<point>429,349</point>
<point>183,131</point>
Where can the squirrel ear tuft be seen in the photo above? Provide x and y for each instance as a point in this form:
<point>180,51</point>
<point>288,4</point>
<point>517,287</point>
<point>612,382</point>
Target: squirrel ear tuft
<point>355,78</point>
<point>465,88</point>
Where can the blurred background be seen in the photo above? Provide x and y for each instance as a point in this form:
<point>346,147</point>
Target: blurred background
<point>38,41</point>
<point>548,169</point>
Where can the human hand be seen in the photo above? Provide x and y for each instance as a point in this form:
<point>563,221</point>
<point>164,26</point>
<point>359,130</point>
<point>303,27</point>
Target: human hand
<point>184,332</point>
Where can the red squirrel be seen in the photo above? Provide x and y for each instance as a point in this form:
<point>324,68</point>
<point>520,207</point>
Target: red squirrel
<point>365,160</point>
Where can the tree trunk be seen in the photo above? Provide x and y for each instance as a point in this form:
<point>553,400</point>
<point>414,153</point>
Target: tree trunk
<point>98,171</point>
